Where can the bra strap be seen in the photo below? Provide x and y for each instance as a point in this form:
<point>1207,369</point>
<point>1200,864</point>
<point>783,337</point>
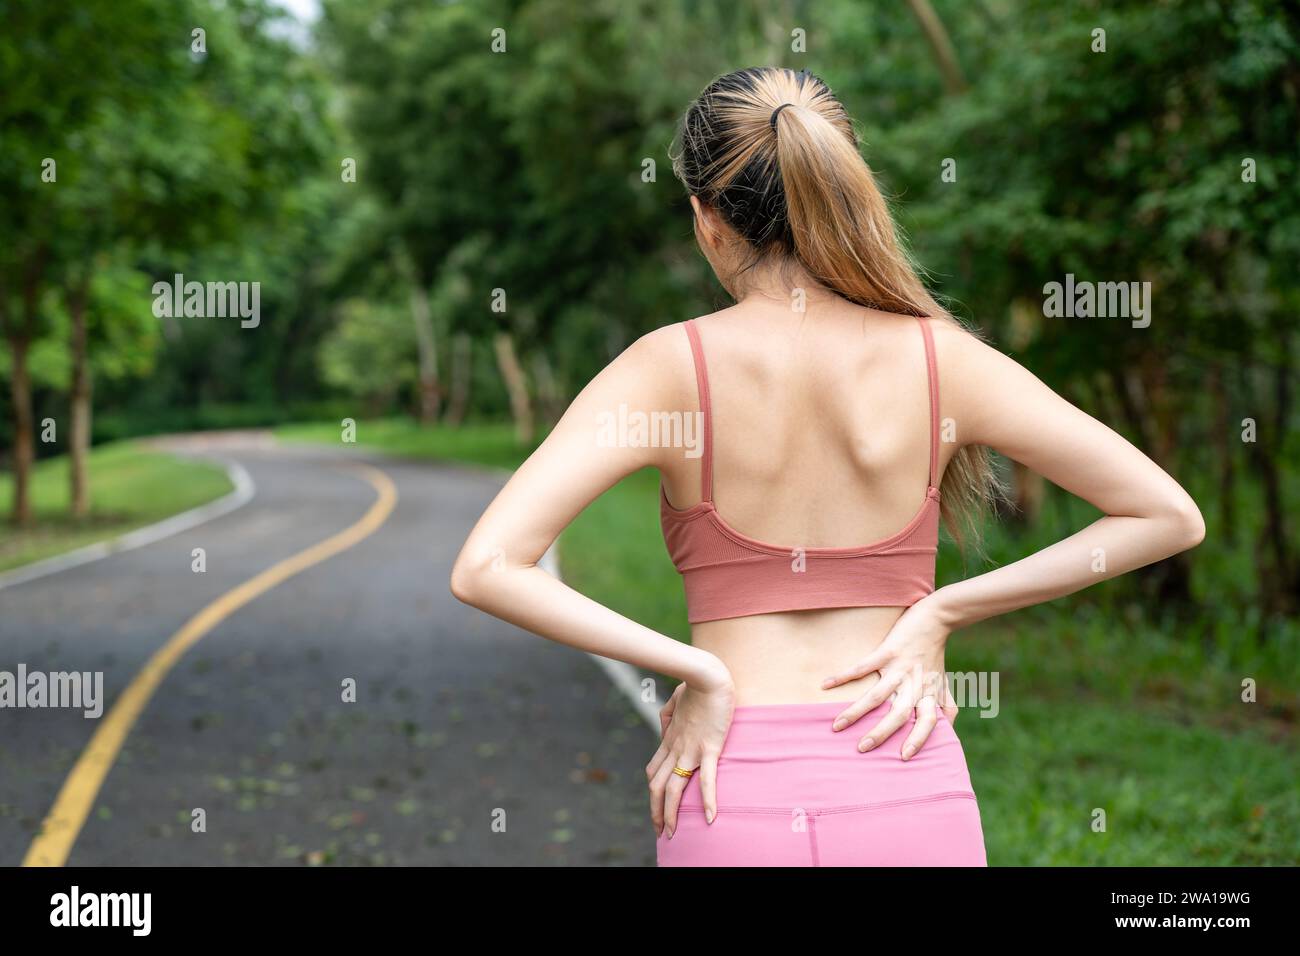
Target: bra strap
<point>932,372</point>
<point>702,381</point>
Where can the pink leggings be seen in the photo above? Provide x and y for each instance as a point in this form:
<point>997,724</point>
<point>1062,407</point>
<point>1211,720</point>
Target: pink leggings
<point>792,792</point>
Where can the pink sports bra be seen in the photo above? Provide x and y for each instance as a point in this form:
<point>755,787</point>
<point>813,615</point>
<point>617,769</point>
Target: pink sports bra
<point>729,574</point>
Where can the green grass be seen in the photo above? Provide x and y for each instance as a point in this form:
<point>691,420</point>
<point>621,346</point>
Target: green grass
<point>131,486</point>
<point>492,445</point>
<point>1175,793</point>
<point>1099,707</point>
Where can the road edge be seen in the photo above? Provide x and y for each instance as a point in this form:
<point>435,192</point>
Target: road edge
<point>242,493</point>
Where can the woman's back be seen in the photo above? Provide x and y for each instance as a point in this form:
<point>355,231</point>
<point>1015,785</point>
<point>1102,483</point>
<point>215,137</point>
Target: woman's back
<point>821,429</point>
<point>821,422</point>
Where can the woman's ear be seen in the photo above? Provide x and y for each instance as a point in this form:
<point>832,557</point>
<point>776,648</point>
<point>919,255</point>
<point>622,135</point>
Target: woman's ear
<point>705,228</point>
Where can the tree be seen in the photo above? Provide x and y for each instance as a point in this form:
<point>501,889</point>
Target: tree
<point>1149,162</point>
<point>54,70</point>
<point>152,119</point>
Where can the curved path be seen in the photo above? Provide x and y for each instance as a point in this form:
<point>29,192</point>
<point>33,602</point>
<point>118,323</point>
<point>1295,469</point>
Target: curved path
<point>470,742</point>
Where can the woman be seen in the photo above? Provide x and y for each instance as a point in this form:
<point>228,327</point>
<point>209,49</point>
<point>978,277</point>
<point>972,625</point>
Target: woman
<point>839,405</point>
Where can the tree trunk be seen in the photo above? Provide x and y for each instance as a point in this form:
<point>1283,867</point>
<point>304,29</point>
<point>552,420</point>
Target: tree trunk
<point>1224,430</point>
<point>20,385</point>
<point>1278,582</point>
<point>462,367</point>
<point>954,81</point>
<point>548,390</point>
<point>428,354</point>
<point>20,397</point>
<point>79,400</point>
<point>775,22</point>
<point>521,406</point>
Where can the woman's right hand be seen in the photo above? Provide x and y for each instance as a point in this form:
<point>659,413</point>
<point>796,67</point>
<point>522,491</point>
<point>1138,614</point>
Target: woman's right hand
<point>694,724</point>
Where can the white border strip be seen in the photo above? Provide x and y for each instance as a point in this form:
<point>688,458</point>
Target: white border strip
<point>624,676</point>
<point>242,494</point>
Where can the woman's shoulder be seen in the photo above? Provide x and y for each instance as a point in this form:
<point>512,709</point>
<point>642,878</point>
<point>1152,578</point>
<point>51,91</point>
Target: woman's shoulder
<point>705,320</point>
<point>656,368</point>
<point>670,342</point>
<point>978,381</point>
<point>957,346</point>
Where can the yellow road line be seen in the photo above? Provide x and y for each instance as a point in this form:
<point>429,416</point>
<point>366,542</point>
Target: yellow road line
<point>66,818</point>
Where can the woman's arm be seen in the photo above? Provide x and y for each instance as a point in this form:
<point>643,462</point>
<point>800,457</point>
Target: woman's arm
<point>1147,515</point>
<point>497,570</point>
<point>994,401</point>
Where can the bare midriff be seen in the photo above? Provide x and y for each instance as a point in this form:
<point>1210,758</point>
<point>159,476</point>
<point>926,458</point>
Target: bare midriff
<point>783,658</point>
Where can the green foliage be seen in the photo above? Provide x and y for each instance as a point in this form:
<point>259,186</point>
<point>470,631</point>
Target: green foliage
<point>370,353</point>
<point>168,161</point>
<point>526,170</point>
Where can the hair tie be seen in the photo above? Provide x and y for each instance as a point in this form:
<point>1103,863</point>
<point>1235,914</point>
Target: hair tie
<point>776,112</point>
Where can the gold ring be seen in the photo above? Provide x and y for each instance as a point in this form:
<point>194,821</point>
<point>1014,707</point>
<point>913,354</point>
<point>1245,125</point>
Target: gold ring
<point>682,773</point>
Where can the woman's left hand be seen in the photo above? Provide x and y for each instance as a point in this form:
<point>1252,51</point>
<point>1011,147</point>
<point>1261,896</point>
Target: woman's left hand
<point>910,662</point>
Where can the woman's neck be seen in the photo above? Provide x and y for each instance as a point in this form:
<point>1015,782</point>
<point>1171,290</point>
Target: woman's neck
<point>784,282</point>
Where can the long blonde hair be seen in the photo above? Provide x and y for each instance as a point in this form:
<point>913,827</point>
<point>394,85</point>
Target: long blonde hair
<point>775,153</point>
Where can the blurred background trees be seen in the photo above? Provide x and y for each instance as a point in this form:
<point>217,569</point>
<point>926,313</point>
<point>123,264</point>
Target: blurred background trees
<point>510,221</point>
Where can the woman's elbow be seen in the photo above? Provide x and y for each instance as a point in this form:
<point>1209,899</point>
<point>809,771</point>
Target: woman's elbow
<point>462,584</point>
<point>1189,524</point>
<point>467,581</point>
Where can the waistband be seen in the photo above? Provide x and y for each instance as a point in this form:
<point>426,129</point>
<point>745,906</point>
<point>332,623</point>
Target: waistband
<point>778,756</point>
<point>807,713</point>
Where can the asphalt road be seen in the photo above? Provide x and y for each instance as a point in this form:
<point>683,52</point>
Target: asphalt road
<point>461,722</point>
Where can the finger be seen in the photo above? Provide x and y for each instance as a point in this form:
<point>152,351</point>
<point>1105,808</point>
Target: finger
<point>708,774</point>
<point>673,795</point>
<point>874,661</point>
<point>666,711</point>
<point>927,715</point>
<point>951,710</point>
<point>656,761</point>
<point>868,702</point>
<point>887,725</point>
<point>947,703</point>
<point>658,790</point>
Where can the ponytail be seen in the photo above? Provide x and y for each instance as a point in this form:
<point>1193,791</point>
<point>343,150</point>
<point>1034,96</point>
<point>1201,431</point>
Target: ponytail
<point>841,228</point>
